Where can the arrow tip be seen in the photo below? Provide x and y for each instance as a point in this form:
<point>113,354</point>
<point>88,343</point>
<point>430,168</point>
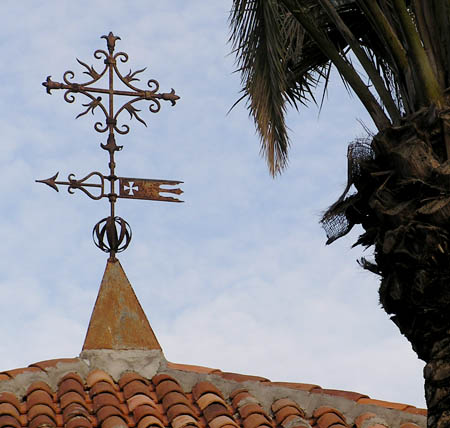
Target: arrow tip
<point>50,182</point>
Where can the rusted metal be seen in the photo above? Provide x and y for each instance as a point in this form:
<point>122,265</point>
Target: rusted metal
<point>118,321</point>
<point>110,68</point>
<point>117,233</point>
<point>143,188</point>
<point>113,234</point>
<point>78,184</point>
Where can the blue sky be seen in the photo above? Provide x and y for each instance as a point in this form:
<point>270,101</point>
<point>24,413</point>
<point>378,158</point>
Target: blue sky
<point>238,277</point>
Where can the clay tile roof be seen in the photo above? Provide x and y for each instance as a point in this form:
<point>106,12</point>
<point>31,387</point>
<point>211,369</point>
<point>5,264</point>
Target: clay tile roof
<point>204,388</point>
<point>98,376</point>
<point>7,397</point>
<point>237,377</point>
<point>133,388</point>
<point>70,385</point>
<point>122,380</point>
<point>81,397</point>
<point>166,387</point>
<point>39,386</point>
<point>43,365</point>
<point>131,376</point>
<point>71,375</point>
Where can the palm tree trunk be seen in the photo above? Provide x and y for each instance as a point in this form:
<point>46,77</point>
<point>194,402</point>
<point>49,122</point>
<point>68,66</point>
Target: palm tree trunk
<point>437,384</point>
<point>402,179</point>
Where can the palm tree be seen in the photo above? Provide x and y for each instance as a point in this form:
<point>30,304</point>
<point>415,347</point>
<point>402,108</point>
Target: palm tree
<point>284,48</point>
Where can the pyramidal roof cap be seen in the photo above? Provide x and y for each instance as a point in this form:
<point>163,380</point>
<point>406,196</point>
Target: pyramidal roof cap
<point>118,321</point>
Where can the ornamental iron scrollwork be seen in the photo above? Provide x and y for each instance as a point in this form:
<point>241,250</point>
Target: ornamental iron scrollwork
<point>113,234</point>
<point>110,68</point>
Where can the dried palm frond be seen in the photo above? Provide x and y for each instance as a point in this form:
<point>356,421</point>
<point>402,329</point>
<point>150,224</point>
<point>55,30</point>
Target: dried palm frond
<point>284,48</point>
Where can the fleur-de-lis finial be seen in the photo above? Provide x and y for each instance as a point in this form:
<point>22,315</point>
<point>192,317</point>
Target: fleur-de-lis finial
<point>111,41</point>
<point>113,234</point>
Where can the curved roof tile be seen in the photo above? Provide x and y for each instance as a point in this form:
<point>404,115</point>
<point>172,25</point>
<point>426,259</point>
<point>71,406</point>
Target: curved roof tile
<point>83,398</point>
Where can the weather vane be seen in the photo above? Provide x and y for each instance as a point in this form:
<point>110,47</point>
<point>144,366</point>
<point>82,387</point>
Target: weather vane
<point>113,234</point>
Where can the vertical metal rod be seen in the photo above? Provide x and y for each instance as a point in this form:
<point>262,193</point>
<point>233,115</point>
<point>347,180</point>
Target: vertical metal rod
<point>116,241</point>
<point>112,165</point>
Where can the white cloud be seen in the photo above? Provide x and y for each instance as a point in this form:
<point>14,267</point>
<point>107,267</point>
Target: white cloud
<point>238,277</point>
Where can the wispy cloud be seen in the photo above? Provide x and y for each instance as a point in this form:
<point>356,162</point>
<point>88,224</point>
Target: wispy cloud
<point>238,277</point>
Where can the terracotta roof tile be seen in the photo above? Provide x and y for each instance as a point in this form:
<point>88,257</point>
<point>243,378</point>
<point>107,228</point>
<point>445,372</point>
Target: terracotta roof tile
<point>242,398</point>
<point>370,420</point>
<point>41,421</point>
<point>106,411</point>
<point>285,402</point>
<point>416,411</point>
<point>75,410</point>
<point>291,420</point>
<point>350,395</point>
<point>237,377</point>
<point>250,409</point>
<point>330,420</point>
<point>191,368</point>
<point>78,422</point>
<point>143,410</point>
<point>203,388</point>
<point>325,409</point>
<point>283,413</point>
<point>167,386</point>
<point>4,376</point>
<point>173,398</point>
<point>39,396</point>
<point>237,391</point>
<point>104,399</point>
<point>9,409</point>
<point>127,377</point>
<point>7,397</point>
<point>256,420</point>
<point>114,422</point>
<point>327,417</point>
<point>140,400</point>
<point>206,399</point>
<point>161,377</point>
<point>71,375</point>
<point>363,417</point>
<point>161,402</point>
<point>214,410</point>
<point>183,420</point>
<point>9,421</point>
<point>301,423</point>
<point>102,387</point>
<point>41,409</point>
<point>44,365</point>
<point>135,387</point>
<point>149,421</point>
<point>71,397</point>
<point>40,386</point>
<point>70,385</point>
<point>98,376</point>
<point>183,409</point>
<point>16,372</point>
<point>387,404</point>
<point>221,421</point>
<point>300,386</point>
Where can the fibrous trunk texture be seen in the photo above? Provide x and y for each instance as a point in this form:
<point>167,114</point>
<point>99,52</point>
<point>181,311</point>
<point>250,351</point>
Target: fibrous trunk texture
<point>402,200</point>
<point>437,384</point>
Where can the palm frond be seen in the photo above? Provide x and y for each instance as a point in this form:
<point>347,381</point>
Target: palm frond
<point>267,43</point>
<point>285,47</point>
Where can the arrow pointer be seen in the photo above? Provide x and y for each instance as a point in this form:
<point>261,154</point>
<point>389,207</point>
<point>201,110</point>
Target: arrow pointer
<point>51,182</point>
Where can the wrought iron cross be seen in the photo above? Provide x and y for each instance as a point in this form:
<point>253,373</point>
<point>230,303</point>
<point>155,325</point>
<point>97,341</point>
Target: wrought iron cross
<point>113,234</point>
